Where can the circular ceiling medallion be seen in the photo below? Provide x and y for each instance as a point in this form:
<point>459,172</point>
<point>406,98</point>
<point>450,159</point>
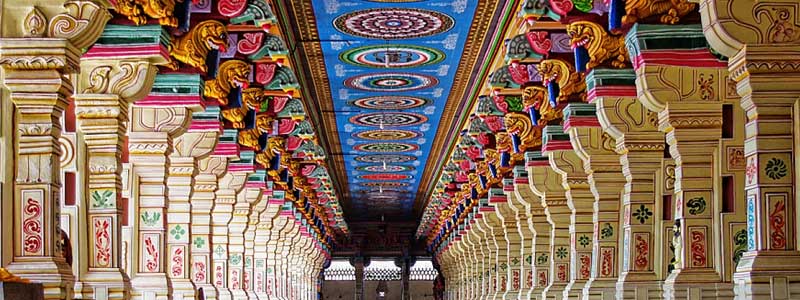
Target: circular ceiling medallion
<point>388,158</point>
<point>392,56</point>
<point>385,184</point>
<point>387,168</point>
<point>393,23</point>
<point>391,82</point>
<point>387,134</point>
<point>390,102</point>
<point>385,176</point>
<point>388,119</point>
<point>386,147</point>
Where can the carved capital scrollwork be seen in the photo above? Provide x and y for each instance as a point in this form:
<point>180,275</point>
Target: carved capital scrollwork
<point>130,80</point>
<point>729,25</point>
<point>83,22</point>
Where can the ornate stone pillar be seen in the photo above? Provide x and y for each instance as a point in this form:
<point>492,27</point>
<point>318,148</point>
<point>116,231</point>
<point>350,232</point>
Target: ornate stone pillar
<point>274,244</point>
<point>490,233</point>
<point>256,189</point>
<point>525,229</point>
<point>596,150</point>
<point>546,184</point>
<point>565,161</point>
<point>537,278</point>
<point>513,239</point>
<point>150,142</point>
<point>107,86</point>
<point>198,142</point>
<point>35,74</point>
<point>687,95</point>
<point>477,237</point>
<point>641,148</point>
<point>236,229</point>
<point>263,242</point>
<point>36,59</point>
<point>761,42</point>
<point>229,186</point>
<point>210,170</point>
<point>500,265</point>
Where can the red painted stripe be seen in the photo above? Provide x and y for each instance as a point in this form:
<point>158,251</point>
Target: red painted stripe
<point>685,58</point>
<point>581,122</point>
<point>557,145</point>
<point>612,91</point>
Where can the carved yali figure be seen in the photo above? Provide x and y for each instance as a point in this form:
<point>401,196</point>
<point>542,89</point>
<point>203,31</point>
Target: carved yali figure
<point>562,81</point>
<point>135,10</point>
<point>193,47</point>
<point>668,11</point>
<point>592,40</point>
<point>231,73</point>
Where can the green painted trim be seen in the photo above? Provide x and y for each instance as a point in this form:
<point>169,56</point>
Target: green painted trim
<point>610,77</point>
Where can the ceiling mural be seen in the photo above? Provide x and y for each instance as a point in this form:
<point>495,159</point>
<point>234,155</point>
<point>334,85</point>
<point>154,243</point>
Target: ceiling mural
<point>390,66</point>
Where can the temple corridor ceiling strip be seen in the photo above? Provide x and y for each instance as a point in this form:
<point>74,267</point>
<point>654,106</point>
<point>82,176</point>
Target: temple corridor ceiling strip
<point>389,79</point>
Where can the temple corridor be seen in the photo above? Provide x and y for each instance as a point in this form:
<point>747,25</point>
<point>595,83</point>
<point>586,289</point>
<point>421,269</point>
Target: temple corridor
<point>399,149</point>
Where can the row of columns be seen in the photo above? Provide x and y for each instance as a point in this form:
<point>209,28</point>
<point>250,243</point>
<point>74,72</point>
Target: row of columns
<point>674,180</point>
<point>167,211</point>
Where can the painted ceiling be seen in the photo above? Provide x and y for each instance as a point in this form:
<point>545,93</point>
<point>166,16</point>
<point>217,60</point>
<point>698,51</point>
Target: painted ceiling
<point>390,65</point>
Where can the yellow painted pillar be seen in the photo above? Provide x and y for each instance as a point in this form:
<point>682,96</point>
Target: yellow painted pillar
<point>512,238</point>
<point>546,184</point>
<point>500,265</point>
<point>526,231</point>
<point>641,148</point>
<point>537,277</point>
<point>102,114</point>
<point>229,186</point>
<point>151,139</point>
<point>596,150</point>
<point>574,180</point>
<point>761,55</point>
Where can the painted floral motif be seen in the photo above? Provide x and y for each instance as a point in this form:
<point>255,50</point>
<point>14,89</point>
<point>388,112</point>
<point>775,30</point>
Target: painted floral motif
<point>642,214</point>
<point>777,222</point>
<point>151,219</point>
<point>235,279</point>
<point>642,252</point>
<point>199,242</point>
<point>515,280</point>
<point>561,272</point>
<point>586,266</point>
<point>607,262</point>
<point>561,253</point>
<point>515,261</point>
<point>151,261</point>
<point>542,259</point>
<point>177,262</point>
<point>219,276</point>
<point>752,169</point>
<point>607,231</point>
<point>102,242</point>
<point>739,245</point>
<point>706,86</point>
<point>219,251</point>
<point>529,259</point>
<point>776,169</point>
<point>103,200</point>
<point>751,222</point>
<point>199,272</point>
<point>584,241</point>
<point>503,266</point>
<point>698,248</point>
<point>32,226</point>
<point>542,278</point>
<point>696,205</point>
<point>177,232</point>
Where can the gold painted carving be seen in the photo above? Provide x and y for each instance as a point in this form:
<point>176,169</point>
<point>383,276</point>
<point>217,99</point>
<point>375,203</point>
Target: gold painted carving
<point>669,11</point>
<point>192,48</point>
<point>231,73</point>
<point>570,82</point>
<point>536,97</point>
<point>236,117</point>
<point>82,24</point>
<point>35,24</point>
<point>733,23</point>
<point>520,124</point>
<point>135,10</point>
<point>600,45</point>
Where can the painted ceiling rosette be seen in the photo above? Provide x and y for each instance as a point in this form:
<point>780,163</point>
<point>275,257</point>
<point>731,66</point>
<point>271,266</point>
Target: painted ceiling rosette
<point>390,66</point>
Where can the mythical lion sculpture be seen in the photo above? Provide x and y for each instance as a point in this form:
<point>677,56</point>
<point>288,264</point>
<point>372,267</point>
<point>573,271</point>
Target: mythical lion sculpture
<point>600,45</point>
<point>670,11</point>
<point>231,73</point>
<point>568,82</point>
<point>192,48</point>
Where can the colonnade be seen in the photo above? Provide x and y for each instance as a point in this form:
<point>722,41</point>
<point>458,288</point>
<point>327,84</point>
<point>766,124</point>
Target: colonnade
<point>660,167</point>
<point>143,168</point>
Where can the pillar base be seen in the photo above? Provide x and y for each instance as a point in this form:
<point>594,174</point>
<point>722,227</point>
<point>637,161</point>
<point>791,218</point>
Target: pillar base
<point>696,284</point>
<point>554,291</point>
<point>150,286</point>
<point>209,291</point>
<point>574,289</point>
<point>510,295</point>
<point>224,294</point>
<point>105,284</point>
<point>768,275</point>
<point>601,289</point>
<point>648,290</point>
<point>54,275</point>
<point>183,289</point>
